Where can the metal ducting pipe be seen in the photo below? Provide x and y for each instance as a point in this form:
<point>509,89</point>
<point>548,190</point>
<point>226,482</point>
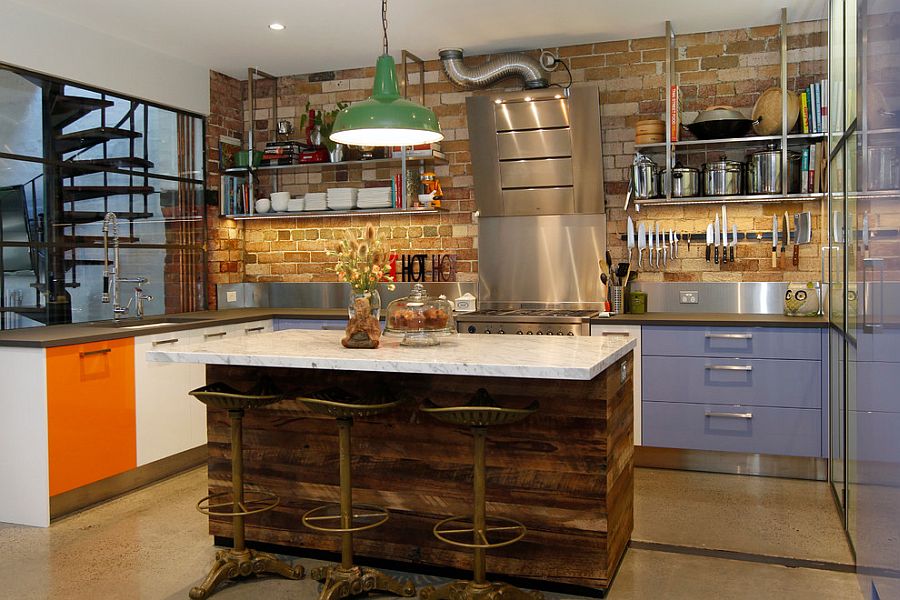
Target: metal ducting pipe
<point>501,66</point>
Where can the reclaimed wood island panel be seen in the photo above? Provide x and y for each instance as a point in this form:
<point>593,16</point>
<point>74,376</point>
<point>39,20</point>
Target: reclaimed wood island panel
<point>566,471</point>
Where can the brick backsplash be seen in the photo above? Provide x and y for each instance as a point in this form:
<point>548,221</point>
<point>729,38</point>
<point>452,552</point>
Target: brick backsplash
<point>722,67</point>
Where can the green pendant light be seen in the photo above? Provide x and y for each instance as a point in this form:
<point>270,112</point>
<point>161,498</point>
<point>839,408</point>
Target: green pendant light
<point>386,119</point>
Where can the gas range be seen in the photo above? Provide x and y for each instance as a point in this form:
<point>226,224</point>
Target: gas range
<point>526,321</point>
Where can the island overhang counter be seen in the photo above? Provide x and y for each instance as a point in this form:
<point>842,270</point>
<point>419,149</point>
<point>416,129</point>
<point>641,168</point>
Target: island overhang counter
<point>566,472</point>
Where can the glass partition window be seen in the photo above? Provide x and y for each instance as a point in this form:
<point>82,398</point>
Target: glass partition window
<point>69,155</point>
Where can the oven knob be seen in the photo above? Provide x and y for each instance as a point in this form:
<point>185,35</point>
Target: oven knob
<point>501,332</point>
<point>540,333</point>
<point>530,333</point>
<point>472,329</point>
<point>559,333</point>
<point>488,331</point>
<point>570,333</point>
<point>519,332</point>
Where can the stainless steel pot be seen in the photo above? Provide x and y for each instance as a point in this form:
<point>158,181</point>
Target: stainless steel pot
<point>644,177</point>
<point>883,168</point>
<point>764,175</point>
<point>723,177</point>
<point>685,181</point>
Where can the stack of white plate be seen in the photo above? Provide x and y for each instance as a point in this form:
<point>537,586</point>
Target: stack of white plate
<point>376,197</point>
<point>341,198</point>
<point>295,205</point>
<point>315,201</point>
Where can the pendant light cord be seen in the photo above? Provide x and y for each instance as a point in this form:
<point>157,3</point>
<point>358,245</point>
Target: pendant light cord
<point>384,24</point>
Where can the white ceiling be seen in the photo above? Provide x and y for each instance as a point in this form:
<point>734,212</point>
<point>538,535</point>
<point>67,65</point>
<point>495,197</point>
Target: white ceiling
<point>231,35</point>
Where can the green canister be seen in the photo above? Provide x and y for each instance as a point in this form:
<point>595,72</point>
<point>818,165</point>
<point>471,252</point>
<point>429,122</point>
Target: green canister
<point>637,302</point>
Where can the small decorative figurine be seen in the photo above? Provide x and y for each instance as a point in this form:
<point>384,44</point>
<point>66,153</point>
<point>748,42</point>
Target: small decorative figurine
<point>363,329</point>
<point>801,300</point>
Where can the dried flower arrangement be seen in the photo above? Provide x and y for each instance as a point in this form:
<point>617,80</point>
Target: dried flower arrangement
<point>363,262</point>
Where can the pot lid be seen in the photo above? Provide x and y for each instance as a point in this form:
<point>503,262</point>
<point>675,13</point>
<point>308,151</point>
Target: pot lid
<point>720,113</point>
<point>643,160</point>
<point>773,149</point>
<point>723,164</point>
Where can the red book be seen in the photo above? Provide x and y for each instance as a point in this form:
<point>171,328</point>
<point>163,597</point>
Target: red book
<point>674,113</point>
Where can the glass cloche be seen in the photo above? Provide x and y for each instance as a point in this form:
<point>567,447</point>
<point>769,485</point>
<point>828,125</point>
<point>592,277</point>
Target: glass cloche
<point>419,318</point>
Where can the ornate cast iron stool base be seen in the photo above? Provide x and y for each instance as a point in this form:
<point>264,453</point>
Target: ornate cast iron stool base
<point>341,583</point>
<point>233,564</point>
<point>469,590</point>
<point>239,561</point>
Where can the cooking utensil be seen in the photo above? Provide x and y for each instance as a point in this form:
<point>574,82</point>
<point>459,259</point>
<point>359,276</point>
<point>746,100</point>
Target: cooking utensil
<point>665,251</point>
<point>723,177</point>
<point>767,111</point>
<point>604,289</point>
<point>787,234</point>
<point>651,246</point>
<point>659,244</point>
<point>716,238</point>
<point>630,230</point>
<point>803,227</point>
<point>650,131</point>
<point>685,181</point>
<point>644,177</point>
<point>718,122</point>
<point>609,269</point>
<point>709,240</point>
<point>774,240</point>
<point>724,235</point>
<point>865,235</point>
<point>675,246</point>
<point>764,171</point>
<point>642,245</point>
<point>733,240</point>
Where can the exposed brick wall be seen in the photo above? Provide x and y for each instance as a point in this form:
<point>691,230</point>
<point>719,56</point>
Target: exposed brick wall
<point>725,67</point>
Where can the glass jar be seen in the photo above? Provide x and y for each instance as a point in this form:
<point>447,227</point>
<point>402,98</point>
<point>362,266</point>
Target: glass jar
<point>374,299</point>
<point>419,318</point>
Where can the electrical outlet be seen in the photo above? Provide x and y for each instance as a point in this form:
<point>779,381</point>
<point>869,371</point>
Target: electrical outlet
<point>690,297</point>
<point>230,296</point>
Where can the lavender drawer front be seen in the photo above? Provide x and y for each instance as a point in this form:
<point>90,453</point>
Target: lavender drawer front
<point>881,344</point>
<point>877,438</point>
<point>768,382</point>
<point>750,342</point>
<point>878,387</point>
<point>785,431</point>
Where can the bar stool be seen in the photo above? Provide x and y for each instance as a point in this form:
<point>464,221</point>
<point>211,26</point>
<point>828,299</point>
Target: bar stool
<point>347,579</point>
<point>480,413</point>
<point>239,561</point>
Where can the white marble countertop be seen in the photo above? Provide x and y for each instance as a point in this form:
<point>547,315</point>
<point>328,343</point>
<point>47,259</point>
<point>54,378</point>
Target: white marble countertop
<point>536,357</point>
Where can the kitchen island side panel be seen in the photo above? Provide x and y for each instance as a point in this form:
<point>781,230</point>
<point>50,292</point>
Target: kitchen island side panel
<point>566,471</point>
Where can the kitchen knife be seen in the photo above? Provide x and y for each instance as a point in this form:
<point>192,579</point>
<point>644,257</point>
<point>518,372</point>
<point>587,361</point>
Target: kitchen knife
<point>651,246</point>
<point>709,240</point>
<point>657,243</point>
<point>774,240</point>
<point>733,240</point>
<point>724,236</point>
<point>630,238</point>
<point>665,250</point>
<point>716,238</point>
<point>787,235</point>
<point>671,244</point>
<point>865,233</point>
<point>795,260</point>
<point>675,247</point>
<point>642,244</point>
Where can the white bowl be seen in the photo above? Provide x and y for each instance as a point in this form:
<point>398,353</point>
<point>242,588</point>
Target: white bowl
<point>280,201</point>
<point>263,205</point>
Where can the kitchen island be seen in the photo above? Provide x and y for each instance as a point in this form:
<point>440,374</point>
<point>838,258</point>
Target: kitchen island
<point>566,471</point>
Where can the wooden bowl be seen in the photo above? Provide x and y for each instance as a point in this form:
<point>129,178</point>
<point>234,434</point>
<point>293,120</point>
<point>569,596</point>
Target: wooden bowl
<point>650,138</point>
<point>768,109</point>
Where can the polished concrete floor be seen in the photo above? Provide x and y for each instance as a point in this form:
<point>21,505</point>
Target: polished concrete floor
<point>152,544</point>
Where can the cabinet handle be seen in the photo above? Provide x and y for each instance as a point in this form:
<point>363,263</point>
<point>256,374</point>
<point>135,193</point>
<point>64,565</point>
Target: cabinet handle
<point>730,336</point>
<point>729,367</point>
<point>94,352</point>
<point>162,342</point>
<point>618,333</point>
<point>206,336</point>
<point>727,415</point>
<point>253,329</point>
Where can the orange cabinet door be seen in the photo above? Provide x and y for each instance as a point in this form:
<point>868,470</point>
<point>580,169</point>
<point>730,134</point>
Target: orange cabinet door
<point>90,412</point>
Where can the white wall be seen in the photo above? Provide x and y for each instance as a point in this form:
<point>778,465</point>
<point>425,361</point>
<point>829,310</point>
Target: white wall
<point>42,42</point>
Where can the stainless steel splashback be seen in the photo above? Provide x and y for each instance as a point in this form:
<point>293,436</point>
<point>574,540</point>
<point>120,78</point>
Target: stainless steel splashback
<point>537,152</point>
<point>547,261</point>
<point>321,295</point>
<point>725,297</point>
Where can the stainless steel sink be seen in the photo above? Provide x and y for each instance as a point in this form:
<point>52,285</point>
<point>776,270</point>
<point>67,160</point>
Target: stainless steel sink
<point>150,323</point>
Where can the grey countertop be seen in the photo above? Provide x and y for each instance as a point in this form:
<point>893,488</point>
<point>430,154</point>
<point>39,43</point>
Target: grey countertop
<point>63,335</point>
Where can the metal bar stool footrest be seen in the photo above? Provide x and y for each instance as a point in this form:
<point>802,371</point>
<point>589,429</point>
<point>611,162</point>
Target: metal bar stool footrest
<point>312,518</point>
<point>255,501</point>
<point>515,529</point>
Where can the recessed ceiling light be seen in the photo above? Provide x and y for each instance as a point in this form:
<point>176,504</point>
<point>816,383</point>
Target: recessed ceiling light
<point>276,26</point>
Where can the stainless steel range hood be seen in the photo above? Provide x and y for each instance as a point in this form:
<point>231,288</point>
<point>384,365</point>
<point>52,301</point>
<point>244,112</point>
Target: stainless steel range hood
<point>537,152</point>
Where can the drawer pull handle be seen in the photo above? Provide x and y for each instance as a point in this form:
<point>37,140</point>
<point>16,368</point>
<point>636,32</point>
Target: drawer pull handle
<point>163,342</point>
<point>206,336</point>
<point>729,367</point>
<point>619,333</point>
<point>253,329</point>
<point>94,352</point>
<point>728,415</point>
<point>729,336</point>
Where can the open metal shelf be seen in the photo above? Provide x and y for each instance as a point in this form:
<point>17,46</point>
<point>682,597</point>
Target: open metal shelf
<point>337,213</point>
<point>742,198</point>
<point>748,140</point>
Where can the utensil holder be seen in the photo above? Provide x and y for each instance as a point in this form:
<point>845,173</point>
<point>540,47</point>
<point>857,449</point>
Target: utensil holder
<point>617,299</point>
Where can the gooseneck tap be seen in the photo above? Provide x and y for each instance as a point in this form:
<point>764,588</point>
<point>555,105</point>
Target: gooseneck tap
<point>111,278</point>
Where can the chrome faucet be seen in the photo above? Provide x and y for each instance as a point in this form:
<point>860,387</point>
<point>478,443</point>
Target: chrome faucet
<point>111,279</point>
